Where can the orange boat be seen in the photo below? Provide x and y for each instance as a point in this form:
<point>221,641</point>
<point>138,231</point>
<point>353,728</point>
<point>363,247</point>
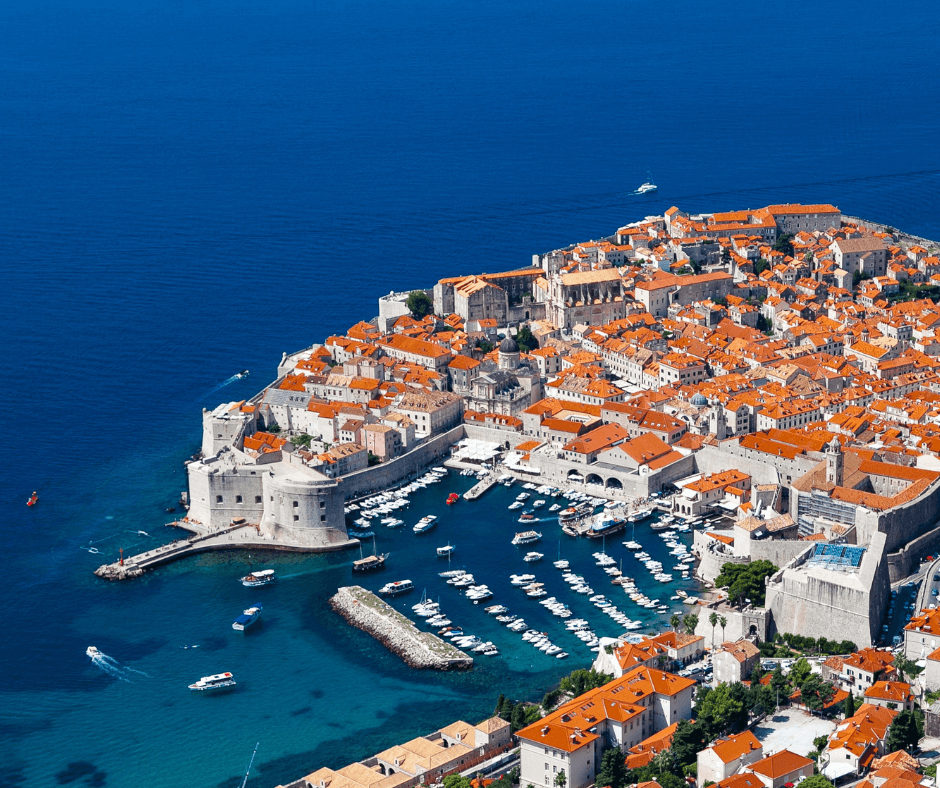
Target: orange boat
<point>452,499</point>
<point>32,499</point>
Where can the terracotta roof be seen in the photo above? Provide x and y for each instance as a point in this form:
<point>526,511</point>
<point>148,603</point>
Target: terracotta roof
<point>735,747</point>
<point>780,764</point>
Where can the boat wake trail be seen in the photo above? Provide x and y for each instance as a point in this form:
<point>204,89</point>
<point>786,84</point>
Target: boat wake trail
<point>227,382</point>
<point>114,668</point>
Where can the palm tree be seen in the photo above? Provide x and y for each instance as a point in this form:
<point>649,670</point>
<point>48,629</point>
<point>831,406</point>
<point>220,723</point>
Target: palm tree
<point>674,622</point>
<point>713,620</point>
<point>722,621</point>
<point>561,779</point>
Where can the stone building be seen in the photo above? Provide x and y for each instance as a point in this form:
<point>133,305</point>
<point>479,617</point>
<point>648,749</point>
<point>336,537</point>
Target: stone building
<point>591,297</point>
<point>727,757</point>
<point>733,662</point>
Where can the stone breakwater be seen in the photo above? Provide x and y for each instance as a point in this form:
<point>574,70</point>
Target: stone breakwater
<point>365,611</point>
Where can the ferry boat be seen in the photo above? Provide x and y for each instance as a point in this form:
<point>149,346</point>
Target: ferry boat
<point>575,513</point>
<point>247,618</point>
<point>425,524</point>
<point>33,499</point>
<point>397,587</point>
<point>255,579</point>
<point>446,550</point>
<point>452,499</point>
<point>217,681</point>
<point>526,537</point>
<point>607,524</point>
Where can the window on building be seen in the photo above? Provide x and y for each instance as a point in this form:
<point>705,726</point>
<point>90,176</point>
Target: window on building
<point>238,499</point>
<point>322,518</point>
<point>257,499</point>
<point>218,499</point>
<point>296,504</point>
<point>296,517</point>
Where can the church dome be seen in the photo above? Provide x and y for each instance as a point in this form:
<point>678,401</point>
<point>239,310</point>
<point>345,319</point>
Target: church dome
<point>698,399</point>
<point>508,345</point>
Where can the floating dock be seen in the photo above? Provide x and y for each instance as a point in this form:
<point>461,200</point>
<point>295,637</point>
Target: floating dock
<point>399,634</point>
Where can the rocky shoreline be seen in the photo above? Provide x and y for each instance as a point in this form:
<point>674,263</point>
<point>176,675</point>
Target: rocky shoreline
<point>365,611</point>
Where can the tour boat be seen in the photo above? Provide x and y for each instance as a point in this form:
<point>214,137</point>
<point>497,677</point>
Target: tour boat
<point>452,499</point>
<point>255,579</point>
<point>92,652</point>
<point>526,537</point>
<point>32,499</point>
<point>369,563</point>
<point>531,557</point>
<point>607,524</point>
<point>526,517</point>
<point>446,550</point>
<point>247,618</point>
<point>574,513</point>
<point>397,587</point>
<point>218,681</point>
<point>425,524</point>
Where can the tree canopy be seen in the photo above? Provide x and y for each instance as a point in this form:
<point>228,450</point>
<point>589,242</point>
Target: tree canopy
<point>903,733</point>
<point>580,681</point>
<point>784,243</point>
<point>816,693</point>
<point>525,340</point>
<point>745,581</point>
<point>613,771</point>
<point>816,781</point>
<point>722,710</point>
<point>686,742</point>
<point>419,304</point>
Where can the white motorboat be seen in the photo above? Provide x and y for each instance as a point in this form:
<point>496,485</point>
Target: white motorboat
<point>218,681</point>
<point>446,550</point>
<point>533,556</point>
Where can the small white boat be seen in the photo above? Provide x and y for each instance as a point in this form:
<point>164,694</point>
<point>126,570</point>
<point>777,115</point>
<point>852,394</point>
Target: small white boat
<point>446,550</point>
<point>92,652</point>
<point>425,524</point>
<point>533,556</point>
<point>247,618</point>
<point>526,537</point>
<point>262,578</point>
<point>217,681</point>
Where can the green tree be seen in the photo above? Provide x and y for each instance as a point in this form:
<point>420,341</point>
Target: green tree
<point>816,693</point>
<point>848,706</point>
<point>580,681</point>
<point>456,781</point>
<point>613,771</point>
<point>903,733</point>
<point>906,668</point>
<point>525,340</point>
<point>722,622</point>
<point>760,266</point>
<point>816,781</point>
<point>674,622</point>
<point>800,672</point>
<point>374,459</point>
<point>746,581</point>
<point>784,244</point>
<point>690,622</point>
<point>720,711</point>
<point>779,685</point>
<point>517,722</point>
<point>756,674</point>
<point>561,779</point>
<point>713,620</point>
<point>419,304</point>
<point>686,742</point>
<point>302,441</point>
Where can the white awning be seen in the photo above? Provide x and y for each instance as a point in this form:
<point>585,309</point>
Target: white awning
<point>836,769</point>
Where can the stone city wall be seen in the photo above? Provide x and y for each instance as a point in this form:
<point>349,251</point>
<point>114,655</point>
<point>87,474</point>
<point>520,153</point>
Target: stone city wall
<point>763,468</point>
<point>903,524</point>
<point>908,558</point>
<point>369,481</point>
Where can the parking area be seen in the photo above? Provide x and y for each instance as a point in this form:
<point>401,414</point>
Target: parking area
<point>792,730</point>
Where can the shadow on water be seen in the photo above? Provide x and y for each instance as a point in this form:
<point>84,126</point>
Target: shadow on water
<point>12,776</point>
<point>81,773</point>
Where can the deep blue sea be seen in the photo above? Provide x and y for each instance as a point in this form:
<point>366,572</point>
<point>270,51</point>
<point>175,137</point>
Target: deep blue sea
<point>188,189</point>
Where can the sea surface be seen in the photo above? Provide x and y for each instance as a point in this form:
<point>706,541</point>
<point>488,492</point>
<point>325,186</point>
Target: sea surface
<point>189,189</point>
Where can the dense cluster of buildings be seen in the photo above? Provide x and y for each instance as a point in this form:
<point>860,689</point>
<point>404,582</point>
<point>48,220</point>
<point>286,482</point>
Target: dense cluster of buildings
<point>768,364</point>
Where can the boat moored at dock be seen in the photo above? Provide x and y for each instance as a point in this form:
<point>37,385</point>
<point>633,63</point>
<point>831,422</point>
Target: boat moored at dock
<point>370,563</point>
